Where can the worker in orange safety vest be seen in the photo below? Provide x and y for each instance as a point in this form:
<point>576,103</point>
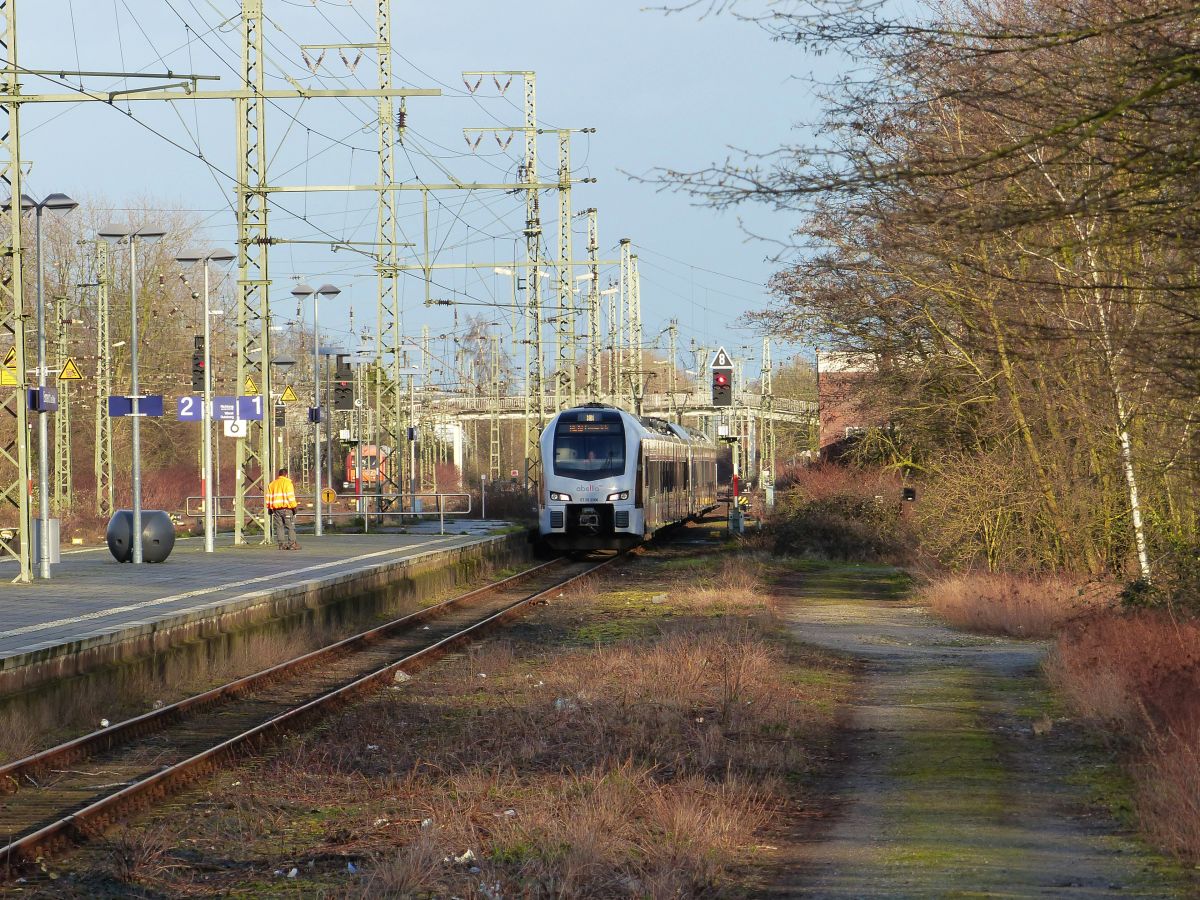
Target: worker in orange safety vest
<point>281,504</point>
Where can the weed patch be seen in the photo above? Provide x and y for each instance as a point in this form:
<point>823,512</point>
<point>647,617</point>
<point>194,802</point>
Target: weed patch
<point>1137,675</point>
<point>1013,605</point>
<point>641,764</point>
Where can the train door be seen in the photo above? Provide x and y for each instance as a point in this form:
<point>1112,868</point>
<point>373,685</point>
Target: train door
<point>639,491</point>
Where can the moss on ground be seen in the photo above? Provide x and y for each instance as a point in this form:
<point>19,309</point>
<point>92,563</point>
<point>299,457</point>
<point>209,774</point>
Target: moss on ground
<point>247,829</point>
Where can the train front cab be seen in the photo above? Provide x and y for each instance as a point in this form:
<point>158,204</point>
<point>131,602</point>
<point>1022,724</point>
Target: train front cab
<point>590,499</point>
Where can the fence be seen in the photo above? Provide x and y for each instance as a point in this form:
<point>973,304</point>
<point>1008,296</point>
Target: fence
<point>368,506</point>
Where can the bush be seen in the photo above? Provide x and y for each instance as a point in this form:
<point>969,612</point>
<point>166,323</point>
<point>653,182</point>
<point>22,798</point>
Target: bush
<point>1131,670</point>
<point>1013,604</point>
<point>834,512</point>
<point>1176,584</point>
<point>1139,674</point>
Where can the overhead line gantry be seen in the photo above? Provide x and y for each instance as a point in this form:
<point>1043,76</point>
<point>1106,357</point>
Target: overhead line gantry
<point>252,183</point>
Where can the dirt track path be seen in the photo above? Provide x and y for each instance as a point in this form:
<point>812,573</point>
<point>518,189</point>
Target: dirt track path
<point>949,789</point>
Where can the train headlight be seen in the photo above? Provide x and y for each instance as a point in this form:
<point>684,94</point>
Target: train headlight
<point>619,495</point>
<point>565,498</point>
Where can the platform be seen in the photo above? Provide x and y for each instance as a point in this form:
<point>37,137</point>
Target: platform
<point>93,603</point>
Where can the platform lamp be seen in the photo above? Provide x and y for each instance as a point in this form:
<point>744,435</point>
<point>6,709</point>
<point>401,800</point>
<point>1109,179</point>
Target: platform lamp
<point>301,291</point>
<point>120,234</point>
<point>57,203</point>
<point>222,257</point>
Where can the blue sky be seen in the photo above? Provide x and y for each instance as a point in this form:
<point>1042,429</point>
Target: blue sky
<point>660,91</point>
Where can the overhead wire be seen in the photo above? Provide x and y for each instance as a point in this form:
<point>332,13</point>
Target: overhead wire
<point>215,171</point>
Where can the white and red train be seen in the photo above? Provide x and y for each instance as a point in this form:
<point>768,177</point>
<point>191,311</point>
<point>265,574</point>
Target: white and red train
<point>612,479</point>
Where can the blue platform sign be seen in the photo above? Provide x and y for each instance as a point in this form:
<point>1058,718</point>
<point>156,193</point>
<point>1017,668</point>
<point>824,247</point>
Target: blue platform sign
<point>43,399</point>
<point>191,409</point>
<point>225,409</point>
<point>250,409</point>
<point>148,405</point>
<point>151,405</point>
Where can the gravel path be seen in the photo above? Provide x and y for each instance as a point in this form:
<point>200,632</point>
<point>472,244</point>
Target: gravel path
<point>957,782</point>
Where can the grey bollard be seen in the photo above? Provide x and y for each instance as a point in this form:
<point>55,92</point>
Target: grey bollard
<point>158,535</point>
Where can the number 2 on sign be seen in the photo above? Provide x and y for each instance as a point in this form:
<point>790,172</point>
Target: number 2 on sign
<point>189,409</point>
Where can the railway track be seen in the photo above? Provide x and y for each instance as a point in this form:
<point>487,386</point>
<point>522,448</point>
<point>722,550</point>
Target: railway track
<point>63,796</point>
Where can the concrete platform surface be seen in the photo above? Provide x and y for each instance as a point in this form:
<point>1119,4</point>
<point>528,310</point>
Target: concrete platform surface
<point>90,593</point>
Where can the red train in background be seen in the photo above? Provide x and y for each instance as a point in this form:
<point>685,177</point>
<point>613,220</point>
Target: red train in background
<point>375,462</point>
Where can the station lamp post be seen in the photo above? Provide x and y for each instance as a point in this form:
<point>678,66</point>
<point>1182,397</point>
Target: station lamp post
<point>301,291</point>
<point>58,203</point>
<point>223,257</point>
<point>119,234</point>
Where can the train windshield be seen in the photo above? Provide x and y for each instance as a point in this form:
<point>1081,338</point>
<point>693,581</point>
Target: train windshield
<point>589,446</point>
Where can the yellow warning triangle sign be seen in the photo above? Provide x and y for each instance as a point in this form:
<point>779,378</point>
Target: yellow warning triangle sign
<point>8,378</point>
<point>289,396</point>
<point>251,388</point>
<point>70,371</point>
<point>10,360</point>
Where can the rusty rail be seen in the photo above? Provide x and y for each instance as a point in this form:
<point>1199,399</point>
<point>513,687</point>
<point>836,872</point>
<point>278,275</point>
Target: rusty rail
<point>93,819</point>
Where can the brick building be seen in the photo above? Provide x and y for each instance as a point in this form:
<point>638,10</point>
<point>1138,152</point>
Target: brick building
<point>843,409</point>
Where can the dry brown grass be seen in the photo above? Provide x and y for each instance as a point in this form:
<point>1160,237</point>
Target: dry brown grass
<point>140,856</point>
<point>645,764</point>
<point>641,769</point>
<point>33,722</point>
<point>1168,793</point>
<point>401,872</point>
<point>1015,605</point>
<point>1124,670</point>
<point>1138,675</point>
<point>735,586</point>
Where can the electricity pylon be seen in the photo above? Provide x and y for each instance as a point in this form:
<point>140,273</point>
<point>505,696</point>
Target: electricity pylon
<point>535,366</point>
<point>620,338</point>
<point>564,371</point>
<point>63,500</point>
<point>629,332</point>
<point>253,304</point>
<point>14,460</point>
<point>254,314</point>
<point>426,429</point>
<point>535,402</point>
<point>593,345</point>
<point>614,338</point>
<point>389,402</point>
<point>253,310</point>
<point>103,388</point>
<point>637,377</point>
<point>673,349</point>
<point>494,402</point>
<point>767,436</point>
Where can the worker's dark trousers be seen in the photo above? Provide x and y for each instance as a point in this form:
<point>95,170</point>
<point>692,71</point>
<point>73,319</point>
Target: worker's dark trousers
<point>284,523</point>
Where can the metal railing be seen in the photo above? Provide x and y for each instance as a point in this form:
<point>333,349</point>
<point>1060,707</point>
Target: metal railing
<point>367,506</point>
<point>651,403</point>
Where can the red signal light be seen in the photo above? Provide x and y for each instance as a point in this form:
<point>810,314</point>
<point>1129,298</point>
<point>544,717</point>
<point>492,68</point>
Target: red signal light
<point>719,378</point>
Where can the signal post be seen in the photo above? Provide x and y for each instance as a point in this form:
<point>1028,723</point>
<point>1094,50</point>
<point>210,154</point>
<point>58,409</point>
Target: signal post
<point>722,397</point>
